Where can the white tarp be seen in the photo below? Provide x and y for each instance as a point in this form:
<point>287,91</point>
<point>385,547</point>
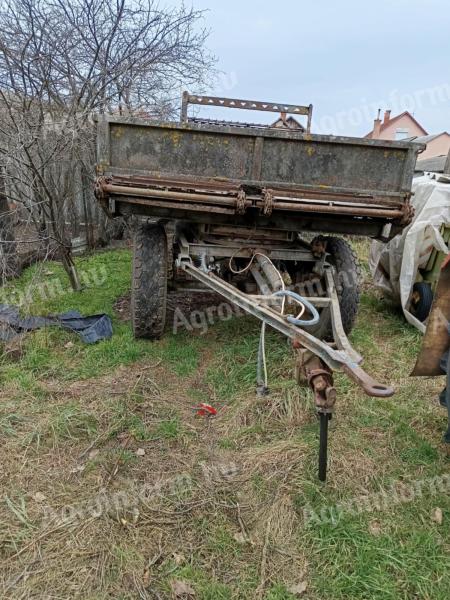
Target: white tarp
<point>394,265</point>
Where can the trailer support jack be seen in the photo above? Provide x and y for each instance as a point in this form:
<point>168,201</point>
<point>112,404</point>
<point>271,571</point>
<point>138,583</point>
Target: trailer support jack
<point>314,372</point>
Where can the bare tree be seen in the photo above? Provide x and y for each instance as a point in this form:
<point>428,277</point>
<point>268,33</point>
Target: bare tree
<point>60,62</point>
<point>8,257</point>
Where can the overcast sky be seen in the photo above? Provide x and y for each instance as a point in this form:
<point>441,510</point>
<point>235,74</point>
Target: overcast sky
<point>346,57</point>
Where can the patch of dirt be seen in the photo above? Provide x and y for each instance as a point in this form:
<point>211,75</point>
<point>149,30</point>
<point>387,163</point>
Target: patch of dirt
<point>184,302</point>
<point>122,307</point>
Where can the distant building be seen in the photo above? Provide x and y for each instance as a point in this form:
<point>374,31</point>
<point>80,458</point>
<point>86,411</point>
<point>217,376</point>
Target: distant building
<point>401,127</point>
<point>437,144</point>
<point>288,123</point>
<point>405,127</point>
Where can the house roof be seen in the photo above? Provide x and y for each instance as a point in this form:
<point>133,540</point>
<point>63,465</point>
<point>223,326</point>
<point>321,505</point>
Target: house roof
<point>291,122</point>
<point>435,164</point>
<point>405,113</point>
<point>424,139</point>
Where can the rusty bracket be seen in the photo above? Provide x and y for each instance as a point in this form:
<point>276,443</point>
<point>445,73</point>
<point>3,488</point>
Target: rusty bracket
<point>313,371</point>
<point>408,215</point>
<point>99,188</point>
<point>268,203</point>
<point>241,201</point>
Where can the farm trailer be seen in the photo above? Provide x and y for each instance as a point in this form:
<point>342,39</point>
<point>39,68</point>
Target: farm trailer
<point>248,211</point>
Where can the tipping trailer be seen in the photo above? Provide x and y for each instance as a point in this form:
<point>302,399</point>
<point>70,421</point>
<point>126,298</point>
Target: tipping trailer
<point>247,211</point>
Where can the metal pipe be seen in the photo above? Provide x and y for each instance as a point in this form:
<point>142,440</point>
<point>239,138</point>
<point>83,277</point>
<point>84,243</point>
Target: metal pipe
<point>176,181</point>
<point>230,201</point>
<point>277,187</point>
<point>125,190</point>
<point>355,211</point>
<point>176,204</point>
<point>333,196</point>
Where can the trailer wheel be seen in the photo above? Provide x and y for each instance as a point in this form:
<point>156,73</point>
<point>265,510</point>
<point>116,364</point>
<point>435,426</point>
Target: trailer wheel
<point>422,299</point>
<point>348,278</point>
<point>149,282</point>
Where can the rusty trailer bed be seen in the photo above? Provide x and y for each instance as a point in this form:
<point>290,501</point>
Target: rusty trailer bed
<point>259,177</point>
<point>248,192</point>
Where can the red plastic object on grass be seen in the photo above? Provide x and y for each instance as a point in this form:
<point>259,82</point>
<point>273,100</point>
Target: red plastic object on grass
<point>205,410</point>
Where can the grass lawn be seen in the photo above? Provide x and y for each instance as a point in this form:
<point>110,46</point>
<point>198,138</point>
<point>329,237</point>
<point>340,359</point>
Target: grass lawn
<point>112,486</point>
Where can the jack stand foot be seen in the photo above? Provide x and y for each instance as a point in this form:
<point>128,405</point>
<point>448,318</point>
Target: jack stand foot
<point>262,390</point>
<point>323,445</point>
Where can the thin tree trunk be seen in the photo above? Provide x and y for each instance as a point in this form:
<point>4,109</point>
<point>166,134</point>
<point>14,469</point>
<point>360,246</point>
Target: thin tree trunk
<point>70,268</point>
<point>9,266</point>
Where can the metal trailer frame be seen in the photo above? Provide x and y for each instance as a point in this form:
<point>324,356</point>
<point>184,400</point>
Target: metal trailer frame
<point>231,178</point>
<point>316,359</point>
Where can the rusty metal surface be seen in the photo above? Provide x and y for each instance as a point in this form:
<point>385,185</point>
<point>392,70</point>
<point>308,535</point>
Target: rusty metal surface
<point>263,177</point>
<point>241,251</point>
<point>267,202</point>
<point>311,370</point>
<point>329,193</point>
<point>286,221</point>
<point>332,209</point>
<point>166,209</point>
<point>185,196</point>
<point>436,339</point>
<point>246,233</point>
<point>325,163</point>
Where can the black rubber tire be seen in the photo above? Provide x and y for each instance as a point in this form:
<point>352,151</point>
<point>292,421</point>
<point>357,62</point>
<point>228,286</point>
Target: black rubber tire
<point>348,281</point>
<point>149,282</point>
<point>421,309</point>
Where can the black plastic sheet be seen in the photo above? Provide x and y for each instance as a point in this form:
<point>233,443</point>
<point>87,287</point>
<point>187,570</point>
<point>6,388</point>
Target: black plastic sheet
<point>91,329</point>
